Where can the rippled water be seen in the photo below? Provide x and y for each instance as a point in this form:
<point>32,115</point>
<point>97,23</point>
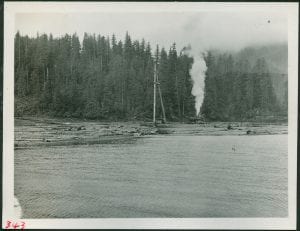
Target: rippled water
<point>166,176</point>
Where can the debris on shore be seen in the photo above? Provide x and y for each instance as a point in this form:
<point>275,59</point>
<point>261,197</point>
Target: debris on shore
<point>32,131</point>
<point>249,132</point>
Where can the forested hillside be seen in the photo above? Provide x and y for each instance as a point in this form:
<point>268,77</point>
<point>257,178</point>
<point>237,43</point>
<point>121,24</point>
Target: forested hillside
<point>237,90</point>
<point>276,57</point>
<point>106,78</point>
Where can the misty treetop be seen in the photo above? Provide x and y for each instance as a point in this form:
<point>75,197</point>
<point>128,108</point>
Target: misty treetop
<point>106,78</point>
<point>234,89</point>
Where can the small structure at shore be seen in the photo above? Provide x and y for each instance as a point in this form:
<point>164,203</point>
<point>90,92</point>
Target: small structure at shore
<point>196,120</point>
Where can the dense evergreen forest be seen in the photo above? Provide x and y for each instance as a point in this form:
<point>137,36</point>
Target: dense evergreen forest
<point>106,78</point>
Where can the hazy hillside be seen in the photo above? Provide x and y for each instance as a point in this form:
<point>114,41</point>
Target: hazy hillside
<point>276,57</point>
<point>246,84</point>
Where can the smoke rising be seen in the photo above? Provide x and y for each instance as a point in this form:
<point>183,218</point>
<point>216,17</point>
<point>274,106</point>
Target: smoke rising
<point>227,32</point>
<point>197,73</point>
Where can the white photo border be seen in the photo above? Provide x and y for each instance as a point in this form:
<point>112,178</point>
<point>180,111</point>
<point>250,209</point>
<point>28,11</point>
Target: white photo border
<point>12,8</point>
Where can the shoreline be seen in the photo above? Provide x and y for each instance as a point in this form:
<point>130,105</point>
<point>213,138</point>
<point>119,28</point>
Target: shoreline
<point>45,131</point>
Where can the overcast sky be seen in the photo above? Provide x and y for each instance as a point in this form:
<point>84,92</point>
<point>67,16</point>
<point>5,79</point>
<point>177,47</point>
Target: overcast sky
<point>201,30</point>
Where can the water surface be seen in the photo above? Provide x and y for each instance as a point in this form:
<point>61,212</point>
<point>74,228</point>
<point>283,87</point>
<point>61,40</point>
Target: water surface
<point>160,176</point>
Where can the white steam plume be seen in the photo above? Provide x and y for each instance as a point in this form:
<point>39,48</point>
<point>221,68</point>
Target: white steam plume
<point>197,73</point>
<point>225,31</point>
<point>198,76</point>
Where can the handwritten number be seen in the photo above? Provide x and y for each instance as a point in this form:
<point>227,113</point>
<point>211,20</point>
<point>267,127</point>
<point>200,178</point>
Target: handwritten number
<point>16,225</point>
<point>8,223</point>
<point>23,225</point>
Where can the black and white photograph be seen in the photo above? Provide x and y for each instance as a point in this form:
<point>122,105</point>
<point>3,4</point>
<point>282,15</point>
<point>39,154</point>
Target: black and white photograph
<point>158,115</point>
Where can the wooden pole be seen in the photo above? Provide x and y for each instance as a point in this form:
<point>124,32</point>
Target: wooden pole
<point>161,102</point>
<point>154,94</point>
<point>162,106</point>
<point>19,51</point>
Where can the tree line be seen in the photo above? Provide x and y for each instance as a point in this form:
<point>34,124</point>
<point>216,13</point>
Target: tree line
<point>236,90</point>
<point>106,78</point>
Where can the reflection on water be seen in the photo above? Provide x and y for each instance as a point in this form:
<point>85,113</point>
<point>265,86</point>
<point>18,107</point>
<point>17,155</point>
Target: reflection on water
<point>166,176</point>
